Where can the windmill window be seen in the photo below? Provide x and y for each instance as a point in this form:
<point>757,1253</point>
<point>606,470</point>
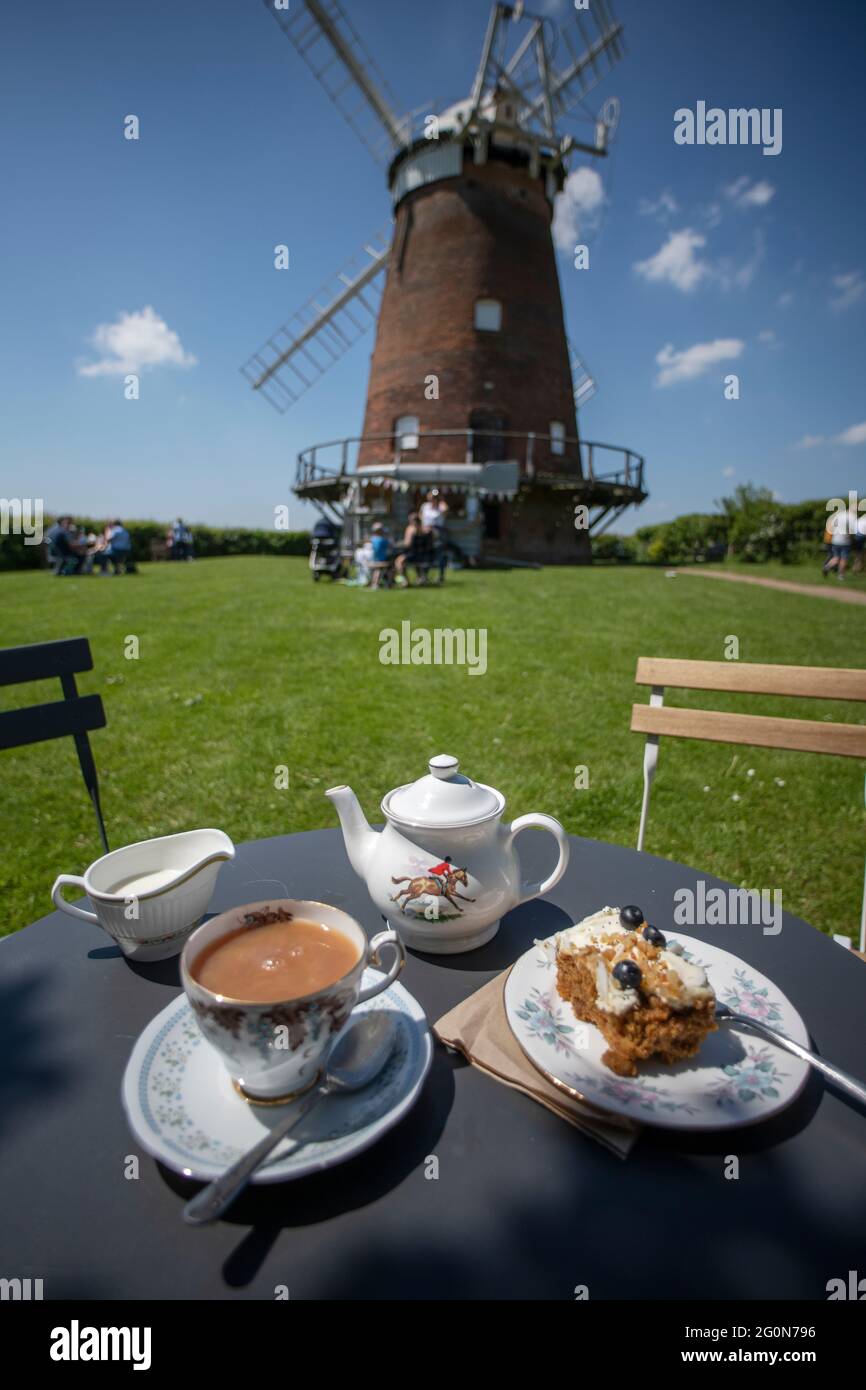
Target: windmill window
<point>488,315</point>
<point>557,437</point>
<point>406,430</point>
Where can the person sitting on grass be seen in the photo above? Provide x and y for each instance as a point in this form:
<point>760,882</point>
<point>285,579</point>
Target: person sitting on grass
<point>181,540</point>
<point>65,553</point>
<point>120,548</point>
<point>381,554</point>
<point>363,560</point>
<point>408,550</point>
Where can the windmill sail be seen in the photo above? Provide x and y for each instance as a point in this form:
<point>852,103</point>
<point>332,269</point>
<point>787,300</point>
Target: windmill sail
<point>583,382</point>
<point>550,79</point>
<point>319,334</point>
<point>573,83</point>
<point>332,48</point>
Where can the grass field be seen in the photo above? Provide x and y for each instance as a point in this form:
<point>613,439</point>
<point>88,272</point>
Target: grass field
<point>245,665</point>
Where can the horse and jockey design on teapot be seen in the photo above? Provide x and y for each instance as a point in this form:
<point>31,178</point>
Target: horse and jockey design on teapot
<point>423,891</point>
<point>445,870</point>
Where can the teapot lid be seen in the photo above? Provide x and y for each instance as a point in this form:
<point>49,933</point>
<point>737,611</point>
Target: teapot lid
<point>444,797</point>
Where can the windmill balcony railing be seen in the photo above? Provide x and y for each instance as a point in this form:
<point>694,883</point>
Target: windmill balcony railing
<point>541,457</point>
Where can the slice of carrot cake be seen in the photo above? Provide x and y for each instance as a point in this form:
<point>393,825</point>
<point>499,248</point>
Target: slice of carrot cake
<point>618,972</point>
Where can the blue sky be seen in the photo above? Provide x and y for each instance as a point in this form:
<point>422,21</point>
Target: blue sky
<point>703,260</point>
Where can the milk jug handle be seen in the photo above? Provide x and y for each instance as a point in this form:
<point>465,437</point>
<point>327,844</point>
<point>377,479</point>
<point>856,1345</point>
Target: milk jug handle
<point>59,901</point>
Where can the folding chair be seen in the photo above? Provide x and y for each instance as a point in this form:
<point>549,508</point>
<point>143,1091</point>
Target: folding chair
<point>756,730</point>
<point>72,716</point>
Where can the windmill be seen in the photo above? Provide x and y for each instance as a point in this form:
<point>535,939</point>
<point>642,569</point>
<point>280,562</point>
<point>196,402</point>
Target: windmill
<point>474,386</point>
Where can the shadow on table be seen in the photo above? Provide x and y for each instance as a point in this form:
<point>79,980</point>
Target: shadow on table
<point>766,1235</point>
<point>530,922</point>
<point>319,1197</point>
<point>35,1066</point>
<point>158,972</point>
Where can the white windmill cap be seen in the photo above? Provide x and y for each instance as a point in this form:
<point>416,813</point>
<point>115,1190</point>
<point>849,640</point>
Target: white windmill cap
<point>443,798</point>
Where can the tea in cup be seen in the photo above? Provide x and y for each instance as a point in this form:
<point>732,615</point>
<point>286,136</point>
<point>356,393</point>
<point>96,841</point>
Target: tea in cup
<point>272,983</point>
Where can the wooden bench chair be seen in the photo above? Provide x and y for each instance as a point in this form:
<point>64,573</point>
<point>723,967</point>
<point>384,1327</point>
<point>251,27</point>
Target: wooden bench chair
<point>756,730</point>
<point>73,716</point>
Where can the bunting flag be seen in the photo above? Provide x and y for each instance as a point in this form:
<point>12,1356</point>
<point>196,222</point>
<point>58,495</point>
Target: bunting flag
<point>461,489</point>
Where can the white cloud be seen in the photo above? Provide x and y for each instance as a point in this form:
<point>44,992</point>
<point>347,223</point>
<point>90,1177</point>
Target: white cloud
<point>135,340</point>
<point>578,207</point>
<point>712,215</point>
<point>786,298</point>
<point>664,206</point>
<point>745,194</point>
<point>694,361</point>
<point>849,288</point>
<point>732,275</point>
<point>767,335</point>
<point>728,472</point>
<point>854,435</point>
<point>676,263</point>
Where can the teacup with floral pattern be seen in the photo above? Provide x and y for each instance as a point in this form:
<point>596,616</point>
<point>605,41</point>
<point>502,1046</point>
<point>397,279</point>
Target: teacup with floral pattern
<point>277,1049</point>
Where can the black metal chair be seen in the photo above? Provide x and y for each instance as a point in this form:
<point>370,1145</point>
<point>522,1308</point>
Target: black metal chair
<point>72,716</point>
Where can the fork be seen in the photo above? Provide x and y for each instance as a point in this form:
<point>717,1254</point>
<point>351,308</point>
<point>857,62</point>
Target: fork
<point>840,1078</point>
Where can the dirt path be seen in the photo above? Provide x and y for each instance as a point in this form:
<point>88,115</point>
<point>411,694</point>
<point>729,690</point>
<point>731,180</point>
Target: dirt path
<point>833,588</point>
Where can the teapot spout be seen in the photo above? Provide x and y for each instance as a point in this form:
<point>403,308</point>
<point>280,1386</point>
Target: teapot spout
<point>360,839</point>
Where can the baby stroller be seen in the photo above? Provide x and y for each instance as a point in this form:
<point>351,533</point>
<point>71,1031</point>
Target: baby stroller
<point>325,557</point>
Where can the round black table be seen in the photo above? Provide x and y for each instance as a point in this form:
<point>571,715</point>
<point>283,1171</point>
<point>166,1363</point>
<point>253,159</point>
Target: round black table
<point>522,1207</point>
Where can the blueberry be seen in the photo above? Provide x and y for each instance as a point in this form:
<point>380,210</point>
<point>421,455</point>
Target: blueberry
<point>654,936</point>
<point>631,917</point>
<point>627,974</point>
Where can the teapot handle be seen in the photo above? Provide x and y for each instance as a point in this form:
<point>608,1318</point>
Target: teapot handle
<point>528,891</point>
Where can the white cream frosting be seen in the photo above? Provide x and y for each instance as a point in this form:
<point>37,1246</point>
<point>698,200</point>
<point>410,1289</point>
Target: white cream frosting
<point>610,996</point>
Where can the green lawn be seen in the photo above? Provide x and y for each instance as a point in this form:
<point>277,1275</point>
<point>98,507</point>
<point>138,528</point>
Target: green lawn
<point>245,665</point>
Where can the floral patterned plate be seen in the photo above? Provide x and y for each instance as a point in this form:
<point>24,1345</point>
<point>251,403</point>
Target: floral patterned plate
<point>184,1110</point>
<point>736,1079</point>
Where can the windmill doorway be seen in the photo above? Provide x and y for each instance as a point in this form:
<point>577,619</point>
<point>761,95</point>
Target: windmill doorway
<point>488,436</point>
<point>492,521</point>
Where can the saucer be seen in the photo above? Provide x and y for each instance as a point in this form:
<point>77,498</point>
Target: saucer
<point>737,1077</point>
<point>183,1108</point>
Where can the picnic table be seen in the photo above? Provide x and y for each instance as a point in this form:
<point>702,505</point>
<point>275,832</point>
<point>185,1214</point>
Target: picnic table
<point>523,1206</point>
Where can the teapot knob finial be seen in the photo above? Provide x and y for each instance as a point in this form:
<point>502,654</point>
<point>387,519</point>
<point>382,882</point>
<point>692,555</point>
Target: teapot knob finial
<point>444,765</point>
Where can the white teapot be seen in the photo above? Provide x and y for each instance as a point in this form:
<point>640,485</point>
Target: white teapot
<point>444,870</point>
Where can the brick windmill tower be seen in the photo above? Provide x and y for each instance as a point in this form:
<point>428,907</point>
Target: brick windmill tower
<point>473,386</point>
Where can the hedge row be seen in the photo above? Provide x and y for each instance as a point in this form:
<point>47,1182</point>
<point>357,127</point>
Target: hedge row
<point>209,541</point>
<point>751,526</point>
